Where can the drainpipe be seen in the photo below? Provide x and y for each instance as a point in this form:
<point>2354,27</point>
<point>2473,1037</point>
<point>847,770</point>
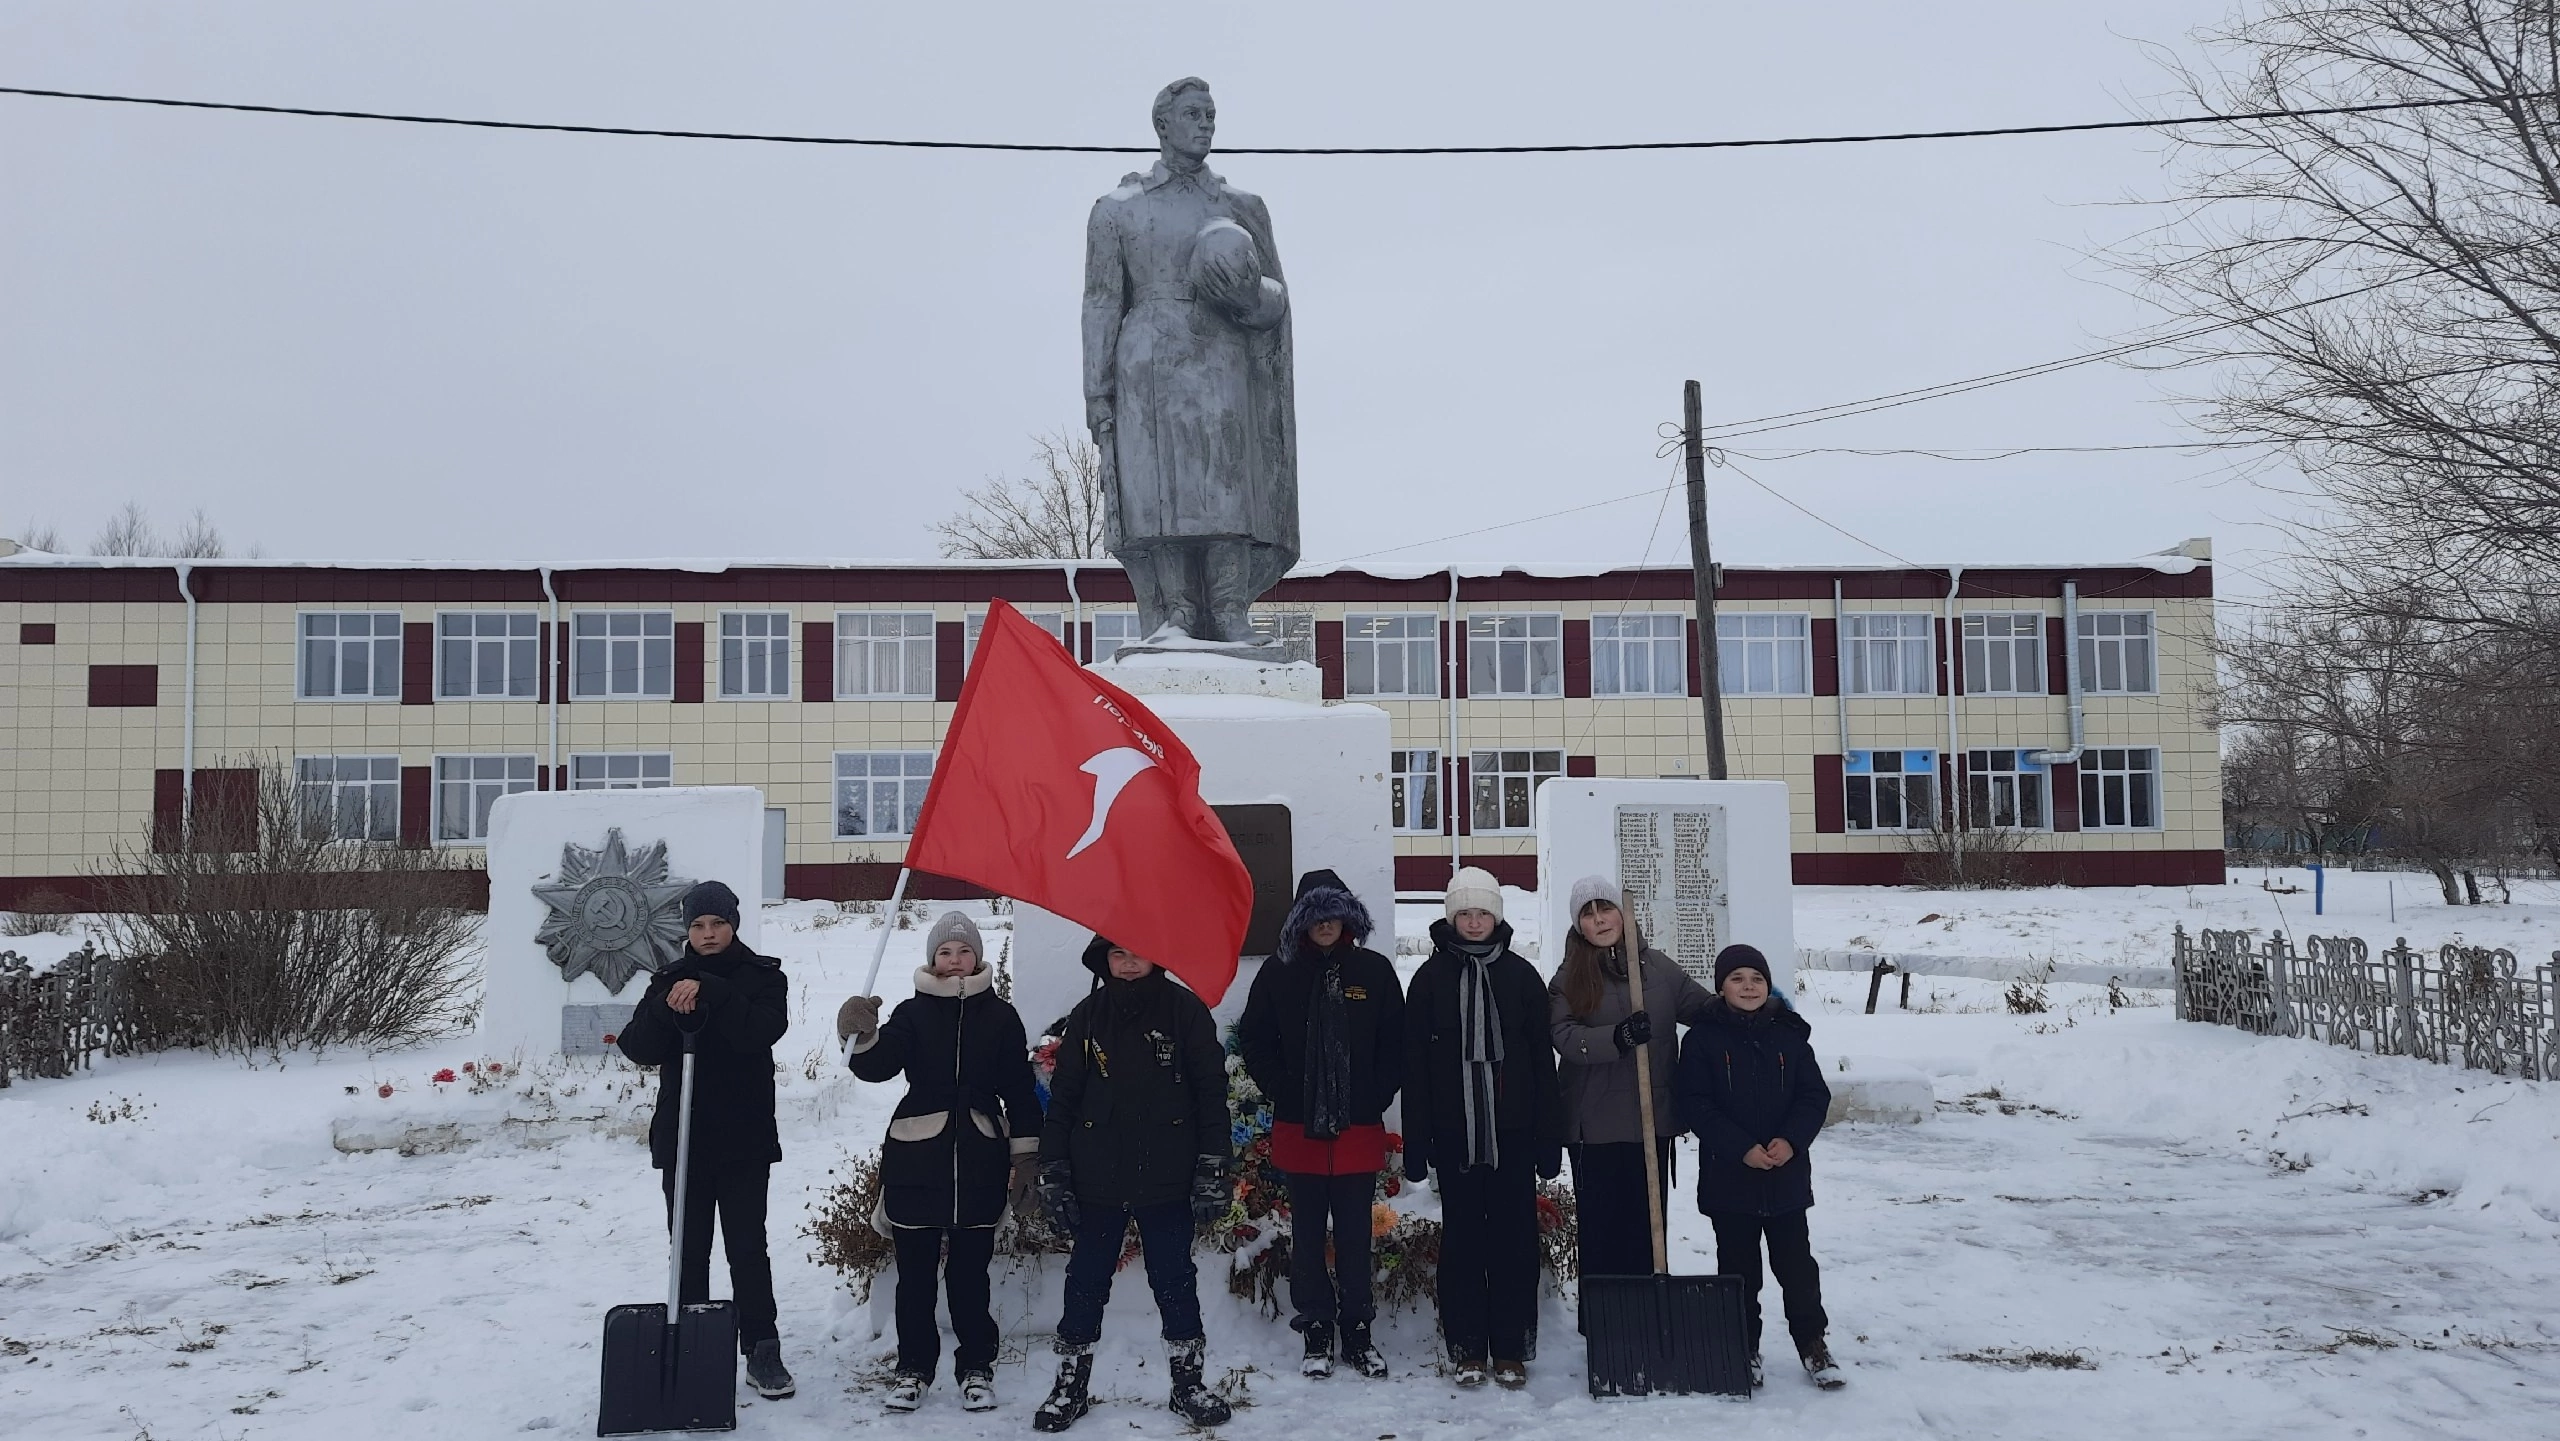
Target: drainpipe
<point>1955,740</point>
<point>552,683</point>
<point>1075,621</point>
<point>187,746</point>
<point>1840,665</point>
<point>2071,678</point>
<point>1449,688</point>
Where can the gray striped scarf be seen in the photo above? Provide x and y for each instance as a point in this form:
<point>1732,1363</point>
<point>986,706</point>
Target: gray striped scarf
<point>1480,1036</point>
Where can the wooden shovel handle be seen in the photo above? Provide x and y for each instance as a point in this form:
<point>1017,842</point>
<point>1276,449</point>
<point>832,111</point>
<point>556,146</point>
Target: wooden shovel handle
<point>1644,1108</point>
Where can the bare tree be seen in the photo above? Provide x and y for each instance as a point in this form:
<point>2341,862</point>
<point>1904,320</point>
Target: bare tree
<point>128,532</point>
<point>200,540</point>
<point>44,536</point>
<point>2384,289</point>
<point>1055,514</point>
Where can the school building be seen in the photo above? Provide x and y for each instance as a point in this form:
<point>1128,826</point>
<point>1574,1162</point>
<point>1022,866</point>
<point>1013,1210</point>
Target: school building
<point>2060,703</point>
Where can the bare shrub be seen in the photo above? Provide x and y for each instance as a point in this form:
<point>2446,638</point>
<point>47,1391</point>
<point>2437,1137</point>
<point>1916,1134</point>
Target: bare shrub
<point>1965,858</point>
<point>254,930</point>
<point>2026,995</point>
<point>47,913</point>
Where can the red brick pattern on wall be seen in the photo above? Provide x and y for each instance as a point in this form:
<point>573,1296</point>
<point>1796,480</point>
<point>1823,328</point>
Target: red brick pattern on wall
<point>124,686</point>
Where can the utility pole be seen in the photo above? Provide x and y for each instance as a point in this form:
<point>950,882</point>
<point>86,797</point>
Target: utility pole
<point>1703,579</point>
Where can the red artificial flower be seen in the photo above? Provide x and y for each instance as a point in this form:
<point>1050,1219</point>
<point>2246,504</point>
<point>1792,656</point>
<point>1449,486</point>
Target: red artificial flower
<point>383,1090</point>
<point>1394,1185</point>
<point>494,1067</point>
<point>444,1076</point>
<point>468,1066</point>
<point>609,1039</point>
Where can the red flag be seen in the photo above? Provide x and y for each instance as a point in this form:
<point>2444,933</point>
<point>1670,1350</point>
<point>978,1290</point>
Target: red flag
<point>1057,787</point>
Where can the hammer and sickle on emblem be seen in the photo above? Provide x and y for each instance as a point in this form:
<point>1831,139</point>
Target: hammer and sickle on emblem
<point>1112,770</point>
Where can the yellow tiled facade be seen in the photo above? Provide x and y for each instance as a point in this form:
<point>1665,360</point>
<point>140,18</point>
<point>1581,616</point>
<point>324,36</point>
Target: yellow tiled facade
<point>86,756</point>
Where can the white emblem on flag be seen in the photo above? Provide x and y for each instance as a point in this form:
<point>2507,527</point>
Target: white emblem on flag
<point>1112,771</point>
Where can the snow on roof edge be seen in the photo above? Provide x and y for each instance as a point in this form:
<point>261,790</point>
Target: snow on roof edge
<point>2165,563</point>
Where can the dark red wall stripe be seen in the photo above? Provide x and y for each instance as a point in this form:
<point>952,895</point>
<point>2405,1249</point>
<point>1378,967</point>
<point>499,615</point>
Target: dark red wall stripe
<point>1577,658</point>
<point>689,662</point>
<point>950,658</point>
<point>1830,802</point>
<point>1329,645</point>
<point>818,666</point>
<point>418,663</point>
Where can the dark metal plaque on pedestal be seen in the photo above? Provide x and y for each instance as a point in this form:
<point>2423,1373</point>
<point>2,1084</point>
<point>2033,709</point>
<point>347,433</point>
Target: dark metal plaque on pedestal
<point>1262,838</point>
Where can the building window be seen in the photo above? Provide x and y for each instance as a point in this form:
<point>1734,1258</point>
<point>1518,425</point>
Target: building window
<point>2004,653</point>
<point>755,655</point>
<point>622,655</point>
<point>1054,622</point>
<point>1515,655</point>
<point>879,793</point>
<point>349,798</point>
<point>1413,785</point>
<point>622,771</point>
<point>1392,655</point>
<point>351,655</point>
<point>1292,628</point>
<point>1112,629</point>
<point>466,786</point>
<point>884,655</point>
<point>1639,654</point>
<point>2004,790</point>
<point>2120,788</point>
<point>1892,790</point>
<point>1888,652</point>
<point>1764,653</point>
<point>1505,786</point>
<point>488,655</point>
<point>2115,652</point>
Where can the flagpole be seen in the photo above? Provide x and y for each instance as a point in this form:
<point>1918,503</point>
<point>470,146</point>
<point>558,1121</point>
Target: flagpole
<point>888,922</point>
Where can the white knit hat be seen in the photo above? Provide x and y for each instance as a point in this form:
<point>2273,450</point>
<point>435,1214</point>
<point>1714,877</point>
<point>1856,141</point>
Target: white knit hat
<point>1596,888</point>
<point>1473,889</point>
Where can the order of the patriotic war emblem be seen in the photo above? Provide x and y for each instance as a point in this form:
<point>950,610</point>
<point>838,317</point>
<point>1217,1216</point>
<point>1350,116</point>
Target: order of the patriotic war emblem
<point>612,912</point>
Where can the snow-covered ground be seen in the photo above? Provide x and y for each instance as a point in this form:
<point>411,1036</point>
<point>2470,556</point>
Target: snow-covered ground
<point>2212,1234</point>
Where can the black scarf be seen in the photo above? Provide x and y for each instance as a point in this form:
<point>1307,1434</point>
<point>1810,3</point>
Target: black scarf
<point>1328,1095</point>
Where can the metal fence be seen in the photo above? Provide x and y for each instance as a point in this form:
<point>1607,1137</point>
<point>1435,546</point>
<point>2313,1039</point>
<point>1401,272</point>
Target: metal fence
<point>52,1024</point>
<point>2454,1005</point>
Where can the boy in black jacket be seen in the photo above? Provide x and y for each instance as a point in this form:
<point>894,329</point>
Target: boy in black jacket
<point>1482,1108</point>
<point>1749,1085</point>
<point>737,1003</point>
<point>1136,1130</point>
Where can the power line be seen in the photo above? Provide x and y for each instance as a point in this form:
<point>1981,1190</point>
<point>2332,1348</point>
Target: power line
<point>757,137</point>
<point>1993,452</point>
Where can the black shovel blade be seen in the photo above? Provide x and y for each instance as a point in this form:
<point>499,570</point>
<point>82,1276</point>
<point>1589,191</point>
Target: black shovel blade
<point>659,1377</point>
<point>1666,1336</point>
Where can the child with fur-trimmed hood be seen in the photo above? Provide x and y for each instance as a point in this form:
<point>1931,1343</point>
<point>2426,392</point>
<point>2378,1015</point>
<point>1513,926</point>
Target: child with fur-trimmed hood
<point>1323,1035</point>
<point>966,1132</point>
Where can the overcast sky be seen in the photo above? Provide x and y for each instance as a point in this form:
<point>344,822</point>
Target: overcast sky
<point>350,339</point>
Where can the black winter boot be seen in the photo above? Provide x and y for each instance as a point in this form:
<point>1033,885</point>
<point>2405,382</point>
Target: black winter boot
<point>1193,1401</point>
<point>1072,1396</point>
<point>1318,1360</point>
<point>1360,1353</point>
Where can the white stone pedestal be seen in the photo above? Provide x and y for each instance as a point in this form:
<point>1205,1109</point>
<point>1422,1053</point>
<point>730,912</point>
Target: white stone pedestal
<point>710,833</point>
<point>1326,763</point>
<point>1716,854</point>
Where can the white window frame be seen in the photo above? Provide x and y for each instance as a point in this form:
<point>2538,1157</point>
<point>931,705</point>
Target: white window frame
<point>1410,638</point>
<point>479,780</point>
<point>1533,636</point>
<point>1291,627</point>
<point>1513,789</point>
<point>2135,782</point>
<point>1860,777</point>
<point>1053,621</point>
<point>1113,629</point>
<point>621,770</point>
<point>1908,644</point>
<point>2002,780</point>
<point>908,638</point>
<point>752,636</point>
<point>1659,637</point>
<point>379,644</point>
<point>2003,640</point>
<point>903,772</point>
<point>372,783</point>
<point>1413,791</point>
<point>636,636</point>
<point>2109,640</point>
<point>1756,648</point>
<point>499,636</point>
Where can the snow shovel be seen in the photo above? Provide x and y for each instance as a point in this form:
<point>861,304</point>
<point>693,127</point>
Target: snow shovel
<point>1662,1334</point>
<point>671,1367</point>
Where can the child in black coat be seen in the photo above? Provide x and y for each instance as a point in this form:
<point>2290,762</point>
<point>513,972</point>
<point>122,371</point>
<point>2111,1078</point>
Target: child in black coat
<point>962,1137</point>
<point>1749,1085</point>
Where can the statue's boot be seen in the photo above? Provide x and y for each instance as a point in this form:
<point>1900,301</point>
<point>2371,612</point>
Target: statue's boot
<point>1165,608</point>
<point>1229,567</point>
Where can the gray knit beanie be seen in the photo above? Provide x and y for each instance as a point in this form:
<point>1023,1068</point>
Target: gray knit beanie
<point>954,927</point>
<point>1473,889</point>
<point>1595,888</point>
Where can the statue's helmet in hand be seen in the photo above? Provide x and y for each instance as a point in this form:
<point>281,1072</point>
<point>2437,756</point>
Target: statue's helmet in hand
<point>1226,268</point>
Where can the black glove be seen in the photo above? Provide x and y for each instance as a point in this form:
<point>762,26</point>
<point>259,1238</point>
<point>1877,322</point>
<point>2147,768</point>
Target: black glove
<point>1632,1032</point>
<point>1550,1162</point>
<point>1058,1196</point>
<point>1210,1195</point>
